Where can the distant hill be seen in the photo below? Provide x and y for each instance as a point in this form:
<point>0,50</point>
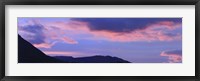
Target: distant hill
<point>27,53</point>
<point>92,59</point>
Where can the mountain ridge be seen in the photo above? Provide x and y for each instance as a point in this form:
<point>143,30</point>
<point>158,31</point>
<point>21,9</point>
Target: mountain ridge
<point>92,59</point>
<point>27,53</point>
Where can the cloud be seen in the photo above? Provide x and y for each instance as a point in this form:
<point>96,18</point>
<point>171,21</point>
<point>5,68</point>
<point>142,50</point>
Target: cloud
<point>150,33</point>
<point>124,24</point>
<point>43,45</point>
<point>26,35</point>
<point>59,35</point>
<point>33,33</point>
<point>44,34</point>
<point>158,31</point>
<point>41,35</point>
<point>68,40</point>
<point>60,53</point>
<point>174,56</point>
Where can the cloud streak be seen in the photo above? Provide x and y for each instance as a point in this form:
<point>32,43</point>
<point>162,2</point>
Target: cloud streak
<point>60,53</point>
<point>44,45</point>
<point>68,40</point>
<point>174,56</point>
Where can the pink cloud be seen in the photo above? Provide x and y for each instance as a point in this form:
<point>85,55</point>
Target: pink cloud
<point>69,26</point>
<point>68,40</point>
<point>148,34</point>
<point>43,45</point>
<point>63,31</point>
<point>63,53</point>
<point>167,24</point>
<point>59,35</point>
<point>174,56</point>
<point>153,32</point>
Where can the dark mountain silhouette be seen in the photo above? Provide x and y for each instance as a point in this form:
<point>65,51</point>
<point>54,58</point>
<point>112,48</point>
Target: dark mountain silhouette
<point>27,53</point>
<point>92,59</point>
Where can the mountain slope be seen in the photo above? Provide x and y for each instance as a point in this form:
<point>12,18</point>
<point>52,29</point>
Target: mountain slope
<point>27,53</point>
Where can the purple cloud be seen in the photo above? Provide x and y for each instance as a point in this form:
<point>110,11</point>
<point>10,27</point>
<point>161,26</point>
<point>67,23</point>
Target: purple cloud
<point>123,24</point>
<point>36,34</point>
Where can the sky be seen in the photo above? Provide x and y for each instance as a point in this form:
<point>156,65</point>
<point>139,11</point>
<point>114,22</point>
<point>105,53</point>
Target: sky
<point>137,40</point>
